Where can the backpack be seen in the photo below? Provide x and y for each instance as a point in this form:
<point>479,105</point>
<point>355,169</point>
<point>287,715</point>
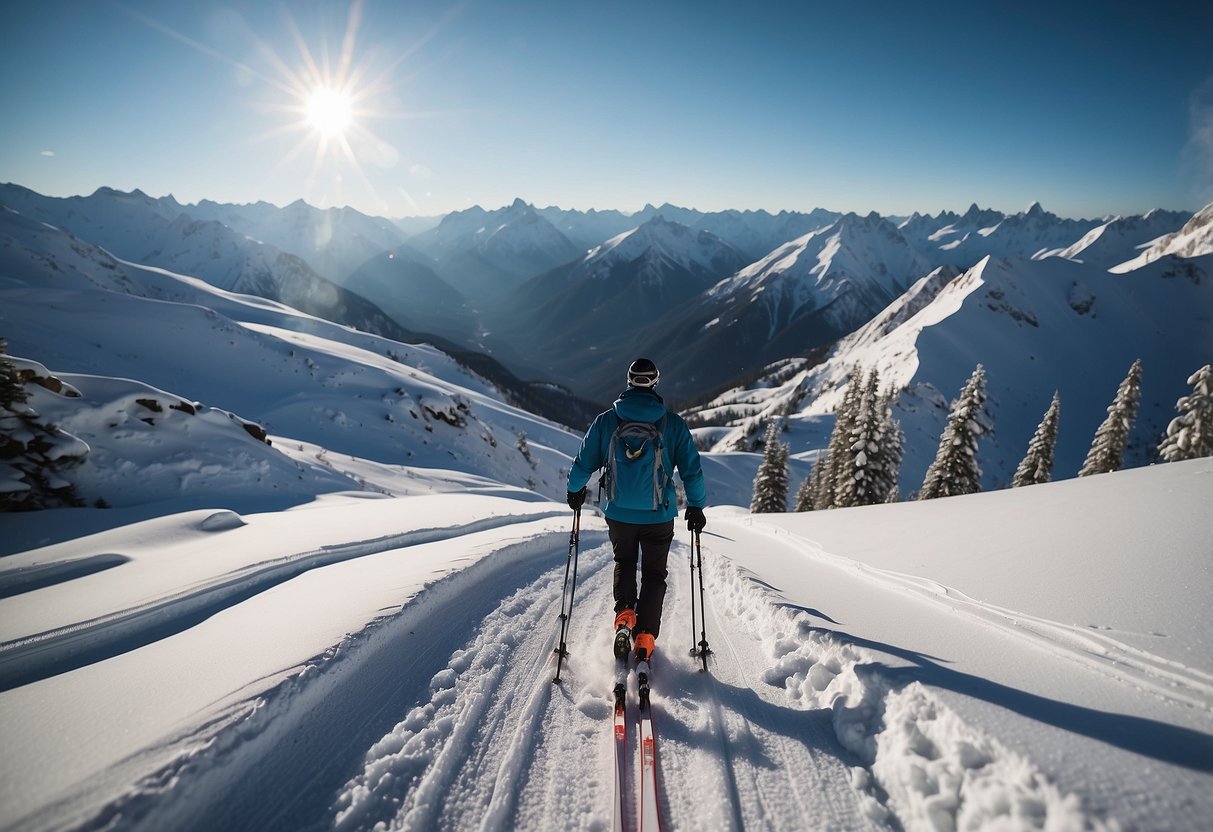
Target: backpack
<point>636,475</point>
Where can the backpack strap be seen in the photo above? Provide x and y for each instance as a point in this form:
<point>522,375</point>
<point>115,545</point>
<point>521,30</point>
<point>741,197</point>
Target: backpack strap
<point>659,465</point>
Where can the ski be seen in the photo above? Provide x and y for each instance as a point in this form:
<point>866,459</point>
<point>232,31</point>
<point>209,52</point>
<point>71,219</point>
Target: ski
<point>650,817</point>
<point>621,739</point>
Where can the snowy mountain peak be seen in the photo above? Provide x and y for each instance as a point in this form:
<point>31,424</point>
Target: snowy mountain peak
<point>981,217</point>
<point>1194,239</point>
<point>660,239</point>
<point>850,269</point>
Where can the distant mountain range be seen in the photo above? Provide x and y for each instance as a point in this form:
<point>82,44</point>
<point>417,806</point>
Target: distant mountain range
<point>164,234</point>
<point>749,314</point>
<point>1037,326</point>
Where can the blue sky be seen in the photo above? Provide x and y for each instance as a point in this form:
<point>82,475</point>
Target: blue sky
<point>1090,109</point>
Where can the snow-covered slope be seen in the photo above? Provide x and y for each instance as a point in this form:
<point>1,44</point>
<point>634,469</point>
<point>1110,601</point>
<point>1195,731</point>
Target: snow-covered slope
<point>351,626</point>
<point>1193,240</point>
<point>146,445</point>
<point>753,232</point>
<point>69,306</point>
<point>334,241</point>
<point>1119,239</point>
<point>586,229</point>
<point>486,254</point>
<point>660,246</point>
<point>760,232</point>
<point>802,296</point>
<point>947,228</point>
<point>604,298</point>
<point>360,663</point>
<point>969,238</point>
<point>136,228</point>
<point>1037,326</point>
<point>403,283</point>
<point>850,270</point>
<point>330,392</point>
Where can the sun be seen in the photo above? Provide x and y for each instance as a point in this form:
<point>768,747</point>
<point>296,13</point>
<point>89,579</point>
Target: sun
<point>329,111</point>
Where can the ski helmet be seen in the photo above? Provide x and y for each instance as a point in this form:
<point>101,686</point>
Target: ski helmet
<point>643,373</point>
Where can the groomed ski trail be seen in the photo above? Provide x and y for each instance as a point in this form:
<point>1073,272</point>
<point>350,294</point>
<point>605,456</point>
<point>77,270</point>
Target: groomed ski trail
<point>498,746</point>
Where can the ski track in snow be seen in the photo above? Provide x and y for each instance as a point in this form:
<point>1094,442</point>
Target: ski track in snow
<point>279,761</point>
<point>917,765</point>
<point>47,654</point>
<point>498,746</point>
<point>444,716</point>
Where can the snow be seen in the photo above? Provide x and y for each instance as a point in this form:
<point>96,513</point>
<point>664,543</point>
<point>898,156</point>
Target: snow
<point>1027,321</point>
<point>659,240</point>
<point>351,625</point>
<point>359,661</point>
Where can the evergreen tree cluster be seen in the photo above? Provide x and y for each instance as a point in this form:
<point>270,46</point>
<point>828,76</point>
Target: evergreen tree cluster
<point>863,459</point>
<point>33,455</point>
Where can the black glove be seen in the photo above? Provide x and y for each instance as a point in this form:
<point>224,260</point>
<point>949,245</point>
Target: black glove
<point>695,519</point>
<point>576,499</point>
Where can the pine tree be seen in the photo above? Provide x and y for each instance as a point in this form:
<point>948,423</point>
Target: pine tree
<point>866,480</point>
<point>804,494</point>
<point>819,481</point>
<point>893,449</point>
<point>838,456</point>
<point>955,470</point>
<point>885,462</point>
<point>1190,434</point>
<point>771,482</point>
<point>1037,465</point>
<point>1107,452</point>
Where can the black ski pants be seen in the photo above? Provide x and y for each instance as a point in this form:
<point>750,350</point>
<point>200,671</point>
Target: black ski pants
<point>650,544</point>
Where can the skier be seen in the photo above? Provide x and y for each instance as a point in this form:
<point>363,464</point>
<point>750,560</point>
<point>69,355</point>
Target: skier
<point>639,442</point>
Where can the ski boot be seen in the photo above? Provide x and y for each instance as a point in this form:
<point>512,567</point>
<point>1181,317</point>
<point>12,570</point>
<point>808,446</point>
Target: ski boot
<point>625,621</point>
<point>645,645</point>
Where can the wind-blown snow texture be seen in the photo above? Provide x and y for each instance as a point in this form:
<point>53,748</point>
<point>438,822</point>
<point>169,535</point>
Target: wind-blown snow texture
<point>326,595</point>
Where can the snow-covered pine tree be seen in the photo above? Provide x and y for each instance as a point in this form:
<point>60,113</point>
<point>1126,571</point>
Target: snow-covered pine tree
<point>819,481</point>
<point>955,470</point>
<point>865,481</point>
<point>1037,464</point>
<point>771,482</point>
<point>1107,452</point>
<point>1190,434</point>
<point>892,449</point>
<point>838,456</point>
<point>804,494</point>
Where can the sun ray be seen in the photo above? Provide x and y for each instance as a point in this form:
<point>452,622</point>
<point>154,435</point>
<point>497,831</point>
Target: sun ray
<point>328,93</point>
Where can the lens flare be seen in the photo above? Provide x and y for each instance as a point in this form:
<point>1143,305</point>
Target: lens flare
<point>329,111</point>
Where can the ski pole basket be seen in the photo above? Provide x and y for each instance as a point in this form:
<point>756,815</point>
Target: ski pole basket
<point>700,649</point>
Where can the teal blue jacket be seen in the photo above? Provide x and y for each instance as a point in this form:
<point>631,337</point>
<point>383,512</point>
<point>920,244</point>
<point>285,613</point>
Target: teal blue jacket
<point>639,405</point>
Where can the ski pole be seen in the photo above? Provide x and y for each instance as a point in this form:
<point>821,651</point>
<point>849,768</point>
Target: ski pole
<point>565,594</point>
<point>694,649</point>
<point>704,651</point>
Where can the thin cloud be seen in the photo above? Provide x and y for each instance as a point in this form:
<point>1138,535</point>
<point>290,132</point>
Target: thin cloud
<point>47,153</point>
